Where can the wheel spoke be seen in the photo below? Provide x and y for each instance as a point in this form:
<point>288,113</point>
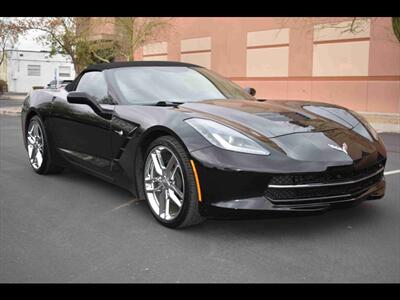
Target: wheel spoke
<point>160,159</point>
<point>167,215</point>
<point>30,151</point>
<point>39,158</point>
<point>174,171</point>
<point>149,180</point>
<point>31,138</point>
<point>36,130</point>
<point>162,201</point>
<point>156,162</point>
<point>170,166</point>
<point>174,198</point>
<point>176,191</point>
<point>33,153</point>
<point>154,189</point>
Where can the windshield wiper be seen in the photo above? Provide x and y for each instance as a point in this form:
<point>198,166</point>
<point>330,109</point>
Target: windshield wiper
<point>167,103</point>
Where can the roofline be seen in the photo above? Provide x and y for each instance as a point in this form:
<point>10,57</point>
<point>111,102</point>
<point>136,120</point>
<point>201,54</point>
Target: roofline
<point>147,63</point>
<point>36,51</point>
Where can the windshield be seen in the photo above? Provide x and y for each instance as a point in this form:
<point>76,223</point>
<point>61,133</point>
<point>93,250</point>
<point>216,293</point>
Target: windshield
<point>149,85</point>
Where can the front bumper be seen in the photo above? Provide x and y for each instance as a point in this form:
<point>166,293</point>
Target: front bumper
<point>264,207</point>
<point>230,192</point>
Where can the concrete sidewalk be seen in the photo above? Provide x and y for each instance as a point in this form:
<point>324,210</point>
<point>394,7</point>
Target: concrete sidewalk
<point>383,122</point>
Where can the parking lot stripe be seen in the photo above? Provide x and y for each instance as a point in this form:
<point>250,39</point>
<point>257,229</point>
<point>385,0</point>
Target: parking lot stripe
<point>392,172</point>
<point>125,204</point>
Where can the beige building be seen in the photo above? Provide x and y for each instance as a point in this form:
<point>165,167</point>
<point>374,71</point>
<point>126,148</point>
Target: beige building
<point>293,58</point>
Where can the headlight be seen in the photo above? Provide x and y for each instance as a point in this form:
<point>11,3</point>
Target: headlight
<point>225,137</point>
<point>364,122</point>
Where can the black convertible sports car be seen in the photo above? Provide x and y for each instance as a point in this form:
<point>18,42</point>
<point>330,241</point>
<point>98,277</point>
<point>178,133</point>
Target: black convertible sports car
<point>196,145</point>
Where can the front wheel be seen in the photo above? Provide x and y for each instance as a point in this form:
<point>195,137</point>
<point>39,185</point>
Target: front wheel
<point>39,149</point>
<point>169,184</point>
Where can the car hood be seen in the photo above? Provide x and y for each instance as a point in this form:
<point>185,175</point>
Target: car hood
<point>274,118</point>
<point>303,131</point>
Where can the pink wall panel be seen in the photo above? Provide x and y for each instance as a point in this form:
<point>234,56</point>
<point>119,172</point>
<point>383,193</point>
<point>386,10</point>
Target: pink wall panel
<point>299,90</point>
<point>350,94</point>
<point>384,96</point>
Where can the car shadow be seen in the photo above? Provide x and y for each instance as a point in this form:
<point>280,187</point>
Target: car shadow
<point>342,220</point>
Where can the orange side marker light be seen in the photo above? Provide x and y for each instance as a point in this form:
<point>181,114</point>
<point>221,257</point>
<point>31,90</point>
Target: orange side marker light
<point>196,177</point>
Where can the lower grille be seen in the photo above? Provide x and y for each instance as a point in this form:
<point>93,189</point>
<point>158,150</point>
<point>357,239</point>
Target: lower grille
<point>322,193</point>
<point>338,175</point>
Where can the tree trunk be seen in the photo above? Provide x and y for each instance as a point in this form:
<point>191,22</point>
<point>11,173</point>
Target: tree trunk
<point>3,54</point>
<point>2,57</point>
<point>76,66</point>
<point>396,27</point>
<point>77,69</point>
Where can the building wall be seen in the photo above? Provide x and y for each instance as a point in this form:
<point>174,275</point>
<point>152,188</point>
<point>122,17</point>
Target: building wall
<point>3,69</point>
<point>293,58</point>
<point>23,66</point>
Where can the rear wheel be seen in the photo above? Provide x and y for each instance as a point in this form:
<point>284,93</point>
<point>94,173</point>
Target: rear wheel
<point>169,184</point>
<point>38,148</point>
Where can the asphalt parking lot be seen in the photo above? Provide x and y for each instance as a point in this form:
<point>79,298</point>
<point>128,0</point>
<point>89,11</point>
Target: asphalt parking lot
<point>75,228</point>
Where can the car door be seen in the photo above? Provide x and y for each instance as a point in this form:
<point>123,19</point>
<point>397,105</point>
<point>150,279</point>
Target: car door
<point>81,136</point>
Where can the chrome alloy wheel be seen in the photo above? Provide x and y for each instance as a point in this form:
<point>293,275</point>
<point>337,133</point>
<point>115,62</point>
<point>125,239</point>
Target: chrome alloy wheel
<point>35,145</point>
<point>164,183</point>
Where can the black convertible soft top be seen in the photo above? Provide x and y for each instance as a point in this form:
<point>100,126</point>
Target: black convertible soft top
<point>124,64</point>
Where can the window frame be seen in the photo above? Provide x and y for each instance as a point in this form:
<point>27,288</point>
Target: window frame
<point>121,99</point>
<point>111,92</point>
<point>64,74</point>
<point>36,65</point>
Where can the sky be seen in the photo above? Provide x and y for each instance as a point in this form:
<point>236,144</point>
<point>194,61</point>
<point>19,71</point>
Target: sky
<point>27,42</point>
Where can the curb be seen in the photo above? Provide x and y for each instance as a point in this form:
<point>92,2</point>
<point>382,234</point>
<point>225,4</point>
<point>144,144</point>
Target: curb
<point>16,98</point>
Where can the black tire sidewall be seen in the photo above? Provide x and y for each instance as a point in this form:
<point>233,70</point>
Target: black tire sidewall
<point>189,180</point>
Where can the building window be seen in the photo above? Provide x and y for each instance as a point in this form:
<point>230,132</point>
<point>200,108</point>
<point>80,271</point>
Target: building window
<point>268,53</point>
<point>197,51</point>
<point>64,71</point>
<point>33,70</point>
<point>341,53</point>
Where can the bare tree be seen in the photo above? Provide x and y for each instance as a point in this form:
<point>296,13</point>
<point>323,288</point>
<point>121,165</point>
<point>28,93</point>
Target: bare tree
<point>69,36</point>
<point>134,32</point>
<point>354,25</point>
<point>396,27</point>
<point>9,34</point>
<point>77,38</point>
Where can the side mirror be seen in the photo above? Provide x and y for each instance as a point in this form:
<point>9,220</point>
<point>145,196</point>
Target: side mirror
<point>84,98</point>
<point>250,90</point>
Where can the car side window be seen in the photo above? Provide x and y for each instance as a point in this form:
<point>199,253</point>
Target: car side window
<point>94,84</point>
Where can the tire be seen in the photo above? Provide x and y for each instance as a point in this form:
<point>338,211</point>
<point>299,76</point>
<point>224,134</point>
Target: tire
<point>188,213</point>
<point>46,166</point>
